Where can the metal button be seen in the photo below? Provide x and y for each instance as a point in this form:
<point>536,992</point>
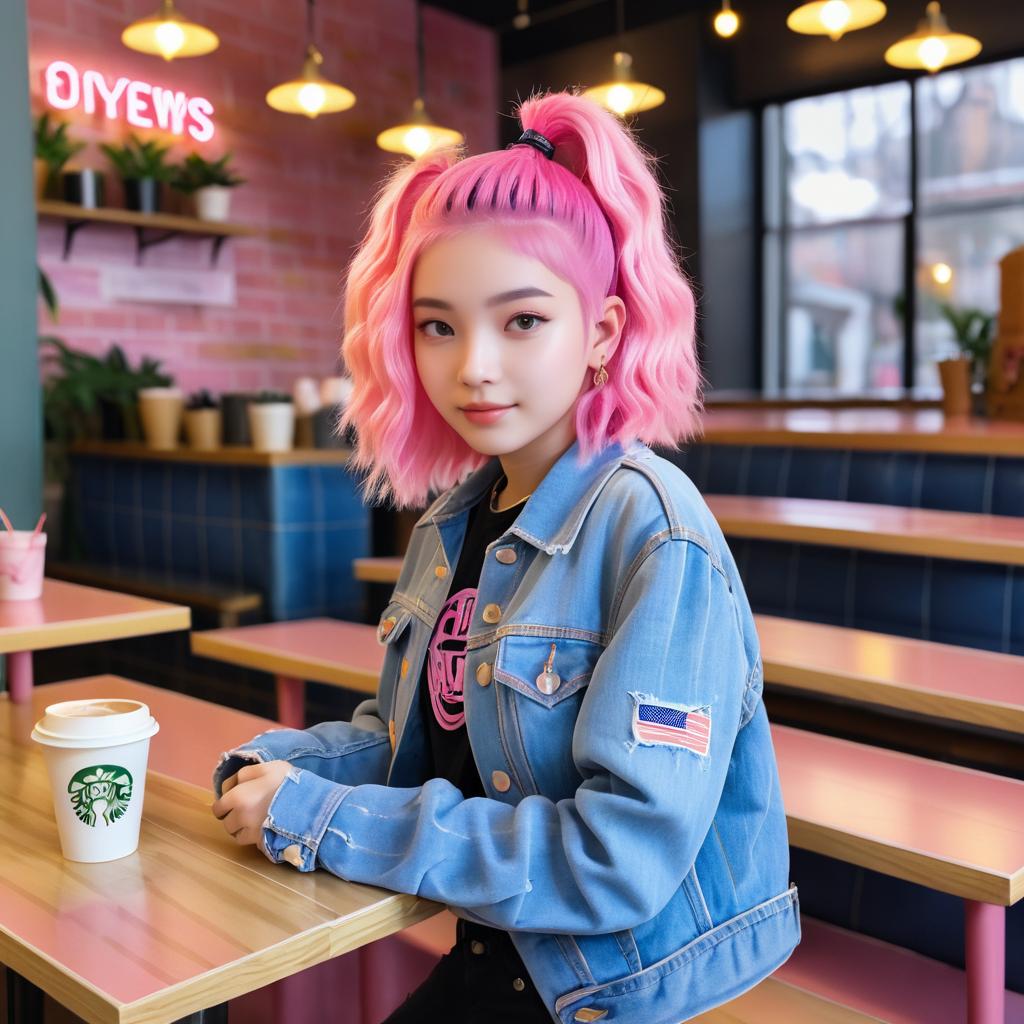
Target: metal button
<point>440,571</point>
<point>518,984</point>
<point>405,667</point>
<point>501,782</point>
<point>384,629</point>
<point>477,948</point>
<point>483,674</point>
<point>506,555</point>
<point>548,682</point>
<point>492,613</point>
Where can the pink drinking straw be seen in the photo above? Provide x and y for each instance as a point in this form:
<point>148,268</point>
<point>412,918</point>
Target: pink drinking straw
<point>7,522</point>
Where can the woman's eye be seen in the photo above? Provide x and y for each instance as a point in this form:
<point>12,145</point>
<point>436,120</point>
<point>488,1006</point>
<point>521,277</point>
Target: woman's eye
<point>526,321</point>
<point>436,329</point>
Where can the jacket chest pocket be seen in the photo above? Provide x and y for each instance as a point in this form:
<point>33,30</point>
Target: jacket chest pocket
<point>543,680</point>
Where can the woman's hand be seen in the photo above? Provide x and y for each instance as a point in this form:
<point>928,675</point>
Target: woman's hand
<point>246,799</point>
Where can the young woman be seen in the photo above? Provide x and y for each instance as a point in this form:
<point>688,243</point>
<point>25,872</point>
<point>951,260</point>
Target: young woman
<point>568,746</point>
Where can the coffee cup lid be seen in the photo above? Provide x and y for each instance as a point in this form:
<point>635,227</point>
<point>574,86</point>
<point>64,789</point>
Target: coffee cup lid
<point>99,722</point>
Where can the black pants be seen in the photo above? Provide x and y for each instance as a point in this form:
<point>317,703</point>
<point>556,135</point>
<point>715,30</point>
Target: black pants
<point>481,981</point>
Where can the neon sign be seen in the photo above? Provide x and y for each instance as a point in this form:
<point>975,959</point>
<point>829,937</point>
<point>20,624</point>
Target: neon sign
<point>139,103</point>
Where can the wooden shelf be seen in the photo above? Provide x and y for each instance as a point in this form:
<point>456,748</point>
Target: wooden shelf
<point>150,228</point>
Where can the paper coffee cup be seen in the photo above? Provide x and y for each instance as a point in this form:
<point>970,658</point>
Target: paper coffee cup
<point>96,753</point>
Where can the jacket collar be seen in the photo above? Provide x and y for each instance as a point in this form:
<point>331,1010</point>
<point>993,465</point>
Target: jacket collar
<point>553,515</point>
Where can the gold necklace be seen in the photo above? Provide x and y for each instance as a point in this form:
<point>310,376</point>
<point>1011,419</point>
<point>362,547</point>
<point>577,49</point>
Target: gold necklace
<point>494,495</point>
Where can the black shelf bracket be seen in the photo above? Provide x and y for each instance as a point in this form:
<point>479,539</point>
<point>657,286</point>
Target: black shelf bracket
<point>146,238</point>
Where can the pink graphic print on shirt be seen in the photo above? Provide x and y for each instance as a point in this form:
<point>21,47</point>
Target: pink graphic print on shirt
<point>446,659</point>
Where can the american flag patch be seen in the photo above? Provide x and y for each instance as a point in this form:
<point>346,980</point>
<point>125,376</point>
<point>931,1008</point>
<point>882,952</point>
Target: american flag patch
<point>668,726</point>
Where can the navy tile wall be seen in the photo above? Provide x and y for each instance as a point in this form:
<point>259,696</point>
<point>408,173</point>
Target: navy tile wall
<point>960,483</point>
<point>290,532</point>
<point>884,478</point>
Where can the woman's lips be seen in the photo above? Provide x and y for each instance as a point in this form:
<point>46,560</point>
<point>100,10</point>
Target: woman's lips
<point>485,416</point>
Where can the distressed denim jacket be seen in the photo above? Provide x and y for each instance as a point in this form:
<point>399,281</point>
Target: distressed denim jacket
<point>633,839</point>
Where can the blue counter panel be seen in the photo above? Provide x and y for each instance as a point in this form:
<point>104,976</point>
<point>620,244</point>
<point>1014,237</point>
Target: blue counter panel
<point>288,531</point>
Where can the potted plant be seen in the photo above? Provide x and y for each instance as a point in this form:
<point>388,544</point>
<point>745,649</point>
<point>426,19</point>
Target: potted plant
<point>961,377</point>
<point>272,422</point>
<point>86,396</point>
<point>143,168</point>
<point>202,421</point>
<point>209,183</point>
<point>53,150</point>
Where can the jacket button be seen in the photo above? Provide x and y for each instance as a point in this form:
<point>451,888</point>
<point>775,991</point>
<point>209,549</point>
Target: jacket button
<point>501,782</point>
<point>477,948</point>
<point>384,629</point>
<point>440,571</point>
<point>483,674</point>
<point>492,613</point>
<point>518,984</point>
<point>405,667</point>
<point>506,555</point>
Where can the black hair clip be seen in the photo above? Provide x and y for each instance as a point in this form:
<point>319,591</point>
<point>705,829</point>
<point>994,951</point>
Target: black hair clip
<point>535,139</point>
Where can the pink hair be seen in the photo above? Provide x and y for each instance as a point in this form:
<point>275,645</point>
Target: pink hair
<point>595,218</point>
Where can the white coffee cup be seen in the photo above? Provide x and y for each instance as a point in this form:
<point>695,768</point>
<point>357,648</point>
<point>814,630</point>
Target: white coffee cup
<point>96,753</point>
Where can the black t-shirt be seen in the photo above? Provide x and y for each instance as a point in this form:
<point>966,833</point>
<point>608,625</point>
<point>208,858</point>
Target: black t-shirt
<point>441,685</point>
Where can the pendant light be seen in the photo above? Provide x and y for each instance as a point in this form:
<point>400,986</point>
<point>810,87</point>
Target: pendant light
<point>311,93</point>
<point>727,21</point>
<point>834,17</point>
<point>932,47</point>
<point>623,95</point>
<point>169,34</point>
<point>418,134</point>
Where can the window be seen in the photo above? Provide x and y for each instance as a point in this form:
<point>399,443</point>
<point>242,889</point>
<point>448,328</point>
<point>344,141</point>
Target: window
<point>854,214</point>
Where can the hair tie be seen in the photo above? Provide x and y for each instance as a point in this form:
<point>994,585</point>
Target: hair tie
<point>538,141</point>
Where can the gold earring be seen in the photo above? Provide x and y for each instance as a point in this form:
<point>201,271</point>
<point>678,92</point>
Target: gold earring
<point>601,376</point>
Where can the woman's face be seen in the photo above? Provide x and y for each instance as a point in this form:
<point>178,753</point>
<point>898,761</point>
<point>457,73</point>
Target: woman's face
<point>494,327</point>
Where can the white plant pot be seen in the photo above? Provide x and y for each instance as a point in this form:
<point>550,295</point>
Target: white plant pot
<point>213,202</point>
<point>272,425</point>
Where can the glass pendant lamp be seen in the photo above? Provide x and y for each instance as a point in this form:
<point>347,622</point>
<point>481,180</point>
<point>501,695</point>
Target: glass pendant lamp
<point>932,46</point>
<point>169,34</point>
<point>623,94</point>
<point>833,18</point>
<point>310,93</point>
<point>418,133</point>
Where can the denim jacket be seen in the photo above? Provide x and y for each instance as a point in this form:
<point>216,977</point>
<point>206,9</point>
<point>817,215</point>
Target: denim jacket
<point>633,839</point>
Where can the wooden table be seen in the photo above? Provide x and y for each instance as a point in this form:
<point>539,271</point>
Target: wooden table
<point>321,650</point>
<point>67,614</point>
<point>188,921</point>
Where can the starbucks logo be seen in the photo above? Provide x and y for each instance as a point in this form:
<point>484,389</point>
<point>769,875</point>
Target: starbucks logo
<point>104,789</point>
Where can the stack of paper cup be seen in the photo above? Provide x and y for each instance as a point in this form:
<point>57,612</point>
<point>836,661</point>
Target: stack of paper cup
<point>96,753</point>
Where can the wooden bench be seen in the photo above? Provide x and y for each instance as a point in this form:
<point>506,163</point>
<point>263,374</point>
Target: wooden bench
<point>227,603</point>
<point>867,527</point>
<point>952,829</point>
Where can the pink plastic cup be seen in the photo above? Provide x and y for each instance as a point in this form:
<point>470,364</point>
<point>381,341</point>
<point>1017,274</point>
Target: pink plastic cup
<point>22,560</point>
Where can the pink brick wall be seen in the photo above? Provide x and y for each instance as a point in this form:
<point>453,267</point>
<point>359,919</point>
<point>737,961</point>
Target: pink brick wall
<point>311,179</point>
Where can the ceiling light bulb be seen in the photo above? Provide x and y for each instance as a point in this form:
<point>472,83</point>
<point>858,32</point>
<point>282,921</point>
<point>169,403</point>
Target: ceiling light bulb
<point>942,273</point>
<point>835,16</point>
<point>417,140</point>
<point>311,98</point>
<point>933,53</point>
<point>170,38</point>
<point>726,23</point>
<point>620,98</point>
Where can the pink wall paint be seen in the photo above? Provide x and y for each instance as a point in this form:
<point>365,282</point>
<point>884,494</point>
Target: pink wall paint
<point>313,180</point>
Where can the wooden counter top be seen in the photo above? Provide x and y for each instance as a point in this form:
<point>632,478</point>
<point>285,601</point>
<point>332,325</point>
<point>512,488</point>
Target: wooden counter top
<point>924,430</point>
<point>231,455</point>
